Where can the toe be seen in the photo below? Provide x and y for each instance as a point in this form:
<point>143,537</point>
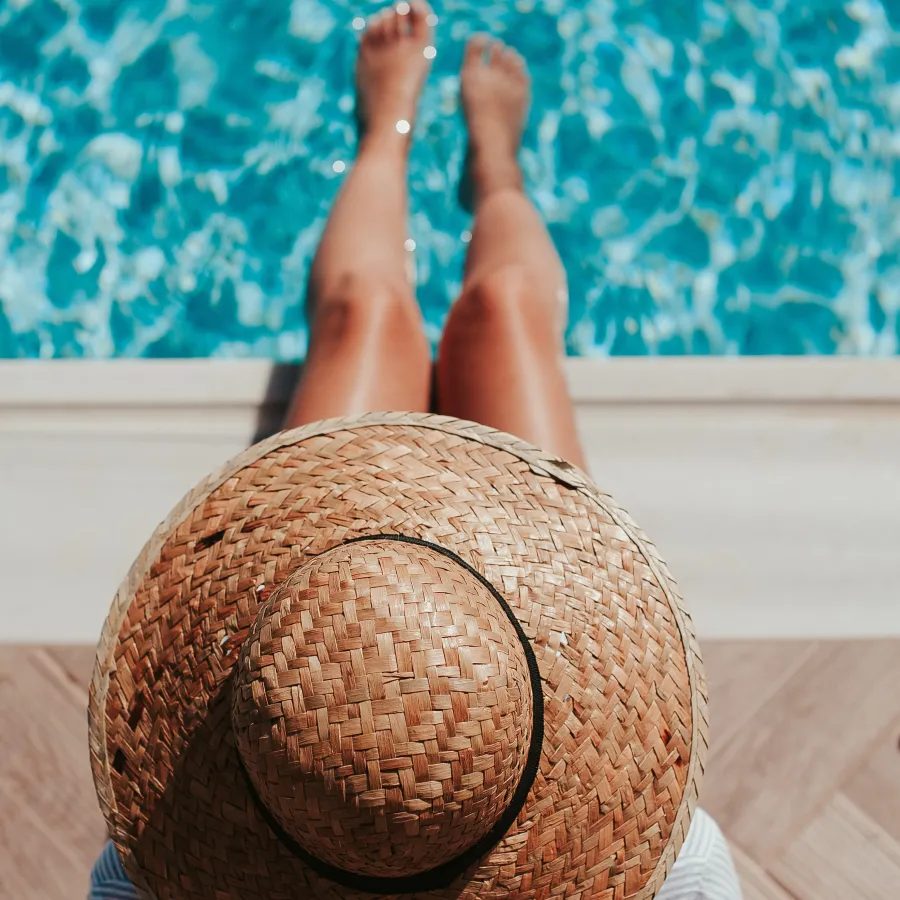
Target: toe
<point>513,60</point>
<point>495,54</point>
<point>402,15</point>
<point>514,64</point>
<point>375,31</point>
<point>394,24</point>
<point>475,50</point>
<point>419,16</point>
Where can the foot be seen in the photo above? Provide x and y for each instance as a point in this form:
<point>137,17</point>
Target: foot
<point>391,68</point>
<point>496,94</point>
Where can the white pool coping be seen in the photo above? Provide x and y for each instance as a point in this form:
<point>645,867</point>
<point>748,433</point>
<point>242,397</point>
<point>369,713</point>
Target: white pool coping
<point>621,380</point>
<point>771,485</point>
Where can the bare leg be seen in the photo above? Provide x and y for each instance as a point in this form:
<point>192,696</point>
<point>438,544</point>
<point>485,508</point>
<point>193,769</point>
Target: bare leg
<point>500,360</point>
<point>368,350</point>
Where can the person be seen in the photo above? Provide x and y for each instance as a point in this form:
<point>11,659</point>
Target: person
<point>500,358</point>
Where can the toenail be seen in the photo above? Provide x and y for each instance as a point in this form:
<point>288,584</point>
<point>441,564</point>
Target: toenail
<point>403,8</point>
<point>466,236</point>
<point>431,19</point>
<point>338,166</point>
<point>409,244</point>
<point>359,23</point>
<point>429,53</point>
<point>403,126</point>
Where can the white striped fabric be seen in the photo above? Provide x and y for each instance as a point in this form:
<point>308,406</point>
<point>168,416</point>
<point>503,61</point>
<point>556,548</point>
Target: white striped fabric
<point>108,879</point>
<point>704,869</point>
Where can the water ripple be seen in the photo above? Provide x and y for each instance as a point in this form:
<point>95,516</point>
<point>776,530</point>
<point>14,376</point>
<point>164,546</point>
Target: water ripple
<point>719,177</point>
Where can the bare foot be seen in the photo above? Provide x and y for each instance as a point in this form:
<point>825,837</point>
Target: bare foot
<point>392,66</point>
<point>496,94</point>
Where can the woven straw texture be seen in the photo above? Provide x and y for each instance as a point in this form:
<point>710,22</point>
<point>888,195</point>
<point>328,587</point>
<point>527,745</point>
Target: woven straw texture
<point>414,729</point>
<point>625,728</point>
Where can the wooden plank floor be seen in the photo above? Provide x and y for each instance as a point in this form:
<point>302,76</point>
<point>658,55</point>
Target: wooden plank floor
<point>804,776</point>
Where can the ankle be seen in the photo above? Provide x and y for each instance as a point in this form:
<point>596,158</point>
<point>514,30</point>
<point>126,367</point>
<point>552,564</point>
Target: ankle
<point>384,143</point>
<point>388,128</point>
<point>493,171</point>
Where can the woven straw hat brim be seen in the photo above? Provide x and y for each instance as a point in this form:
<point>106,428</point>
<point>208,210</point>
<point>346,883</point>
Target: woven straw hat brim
<point>625,706</point>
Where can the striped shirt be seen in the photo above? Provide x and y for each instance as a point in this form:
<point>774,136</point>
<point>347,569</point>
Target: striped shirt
<point>704,869</point>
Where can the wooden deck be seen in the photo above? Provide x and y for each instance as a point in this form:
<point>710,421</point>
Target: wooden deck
<point>804,776</point>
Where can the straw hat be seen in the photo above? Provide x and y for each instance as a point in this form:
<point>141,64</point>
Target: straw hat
<point>397,654</point>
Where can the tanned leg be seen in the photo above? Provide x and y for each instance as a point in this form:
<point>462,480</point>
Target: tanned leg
<point>500,359</point>
<point>368,350</point>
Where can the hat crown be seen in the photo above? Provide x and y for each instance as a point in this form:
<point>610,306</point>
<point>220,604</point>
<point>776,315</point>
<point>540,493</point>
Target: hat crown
<point>383,708</point>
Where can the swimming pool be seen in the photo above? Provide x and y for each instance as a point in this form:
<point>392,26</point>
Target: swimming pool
<point>720,177</point>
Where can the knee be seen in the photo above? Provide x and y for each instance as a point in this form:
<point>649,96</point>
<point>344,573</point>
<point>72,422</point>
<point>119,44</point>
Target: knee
<point>363,309</point>
<point>497,297</point>
<point>502,303</point>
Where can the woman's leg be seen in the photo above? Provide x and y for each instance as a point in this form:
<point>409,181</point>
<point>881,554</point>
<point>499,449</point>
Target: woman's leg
<point>500,360</point>
<point>367,349</point>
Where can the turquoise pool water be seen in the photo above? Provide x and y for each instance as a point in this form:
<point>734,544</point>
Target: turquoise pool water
<point>720,177</point>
